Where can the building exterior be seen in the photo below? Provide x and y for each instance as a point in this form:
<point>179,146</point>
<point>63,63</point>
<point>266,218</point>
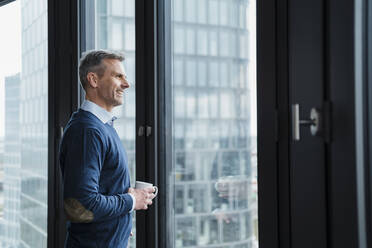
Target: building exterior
<point>25,145</point>
<point>1,179</point>
<point>34,124</point>
<point>212,139</point>
<point>11,177</point>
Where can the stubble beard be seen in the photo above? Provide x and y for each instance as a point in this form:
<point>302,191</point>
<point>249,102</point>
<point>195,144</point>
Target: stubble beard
<point>117,101</point>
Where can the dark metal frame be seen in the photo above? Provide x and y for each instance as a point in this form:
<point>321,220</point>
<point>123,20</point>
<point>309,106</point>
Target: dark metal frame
<point>362,119</point>
<point>342,189</point>
<point>62,101</point>
<point>146,164</point>
<point>271,18</point>
<point>368,121</point>
<point>283,134</point>
<point>273,121</point>
<point>165,225</point>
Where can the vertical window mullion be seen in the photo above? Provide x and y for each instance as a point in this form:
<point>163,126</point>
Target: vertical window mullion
<point>145,81</point>
<point>62,101</point>
<point>163,100</point>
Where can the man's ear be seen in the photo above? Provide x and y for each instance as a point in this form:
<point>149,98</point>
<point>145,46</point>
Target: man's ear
<point>92,79</point>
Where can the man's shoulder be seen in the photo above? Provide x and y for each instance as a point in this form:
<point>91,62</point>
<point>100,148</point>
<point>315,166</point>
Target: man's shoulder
<point>84,119</point>
<point>79,133</point>
<point>84,122</point>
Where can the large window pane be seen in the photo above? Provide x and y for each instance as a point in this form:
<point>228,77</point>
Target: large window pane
<point>23,124</point>
<point>214,171</point>
<point>114,25</point>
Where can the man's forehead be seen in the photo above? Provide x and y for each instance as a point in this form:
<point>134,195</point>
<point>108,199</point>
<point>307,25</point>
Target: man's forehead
<point>114,65</point>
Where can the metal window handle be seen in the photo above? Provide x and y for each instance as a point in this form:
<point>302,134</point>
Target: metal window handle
<point>314,122</point>
<point>141,131</point>
<point>148,131</point>
<point>144,131</point>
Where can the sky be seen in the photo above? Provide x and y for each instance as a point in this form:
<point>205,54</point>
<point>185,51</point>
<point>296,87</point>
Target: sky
<point>10,49</point>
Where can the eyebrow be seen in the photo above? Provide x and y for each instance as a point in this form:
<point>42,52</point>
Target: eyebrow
<point>119,74</point>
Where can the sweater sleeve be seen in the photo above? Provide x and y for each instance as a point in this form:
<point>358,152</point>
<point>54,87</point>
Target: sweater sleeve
<point>82,159</point>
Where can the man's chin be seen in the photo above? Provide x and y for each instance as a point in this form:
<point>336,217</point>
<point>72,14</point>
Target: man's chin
<point>118,103</point>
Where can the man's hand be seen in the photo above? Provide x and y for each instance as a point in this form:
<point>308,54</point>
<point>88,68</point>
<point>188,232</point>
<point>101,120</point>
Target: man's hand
<point>143,197</point>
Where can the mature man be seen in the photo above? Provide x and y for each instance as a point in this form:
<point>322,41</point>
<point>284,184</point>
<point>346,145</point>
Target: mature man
<point>98,200</point>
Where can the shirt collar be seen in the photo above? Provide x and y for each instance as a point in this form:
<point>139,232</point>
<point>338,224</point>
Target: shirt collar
<point>98,111</point>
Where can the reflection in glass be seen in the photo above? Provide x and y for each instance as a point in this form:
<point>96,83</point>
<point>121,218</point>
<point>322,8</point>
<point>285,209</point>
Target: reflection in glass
<point>24,132</point>
<point>202,42</point>
<point>117,36</point>
<point>214,172</point>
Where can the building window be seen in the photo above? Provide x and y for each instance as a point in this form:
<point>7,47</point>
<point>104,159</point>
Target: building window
<point>23,124</point>
<point>214,170</point>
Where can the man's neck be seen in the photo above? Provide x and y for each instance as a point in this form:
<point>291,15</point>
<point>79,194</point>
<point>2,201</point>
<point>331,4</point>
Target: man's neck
<point>99,103</point>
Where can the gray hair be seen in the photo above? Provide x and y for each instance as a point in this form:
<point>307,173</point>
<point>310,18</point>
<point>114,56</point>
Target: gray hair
<point>92,62</point>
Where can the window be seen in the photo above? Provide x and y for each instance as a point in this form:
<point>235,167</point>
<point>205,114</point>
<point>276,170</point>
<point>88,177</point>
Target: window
<point>23,124</point>
<point>214,170</point>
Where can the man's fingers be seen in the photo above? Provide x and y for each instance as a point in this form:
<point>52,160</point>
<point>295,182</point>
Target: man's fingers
<point>146,198</point>
<point>150,190</point>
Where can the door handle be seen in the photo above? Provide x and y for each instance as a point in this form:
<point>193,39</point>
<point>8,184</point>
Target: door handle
<point>315,122</point>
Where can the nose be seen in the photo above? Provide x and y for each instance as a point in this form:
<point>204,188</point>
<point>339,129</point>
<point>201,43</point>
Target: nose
<point>125,83</point>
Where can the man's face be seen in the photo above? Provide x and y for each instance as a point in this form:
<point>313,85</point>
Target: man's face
<point>112,84</point>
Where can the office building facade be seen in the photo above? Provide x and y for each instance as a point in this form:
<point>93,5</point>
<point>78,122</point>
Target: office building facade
<point>10,223</point>
<point>26,144</point>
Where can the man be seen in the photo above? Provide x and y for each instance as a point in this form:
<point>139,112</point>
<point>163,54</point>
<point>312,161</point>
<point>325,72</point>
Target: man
<point>98,200</point>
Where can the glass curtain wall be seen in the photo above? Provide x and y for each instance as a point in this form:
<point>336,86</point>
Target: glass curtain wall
<point>214,172</point>
<point>23,124</point>
<point>114,29</point>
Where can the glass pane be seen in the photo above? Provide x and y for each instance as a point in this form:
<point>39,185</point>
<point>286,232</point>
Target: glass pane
<point>114,28</point>
<point>23,124</point>
<point>214,170</point>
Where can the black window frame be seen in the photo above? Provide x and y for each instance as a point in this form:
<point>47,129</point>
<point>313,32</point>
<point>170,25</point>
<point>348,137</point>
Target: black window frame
<point>163,108</point>
<point>146,164</point>
<point>272,100</point>
<point>63,49</point>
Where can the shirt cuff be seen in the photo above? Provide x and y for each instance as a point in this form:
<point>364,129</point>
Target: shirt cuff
<point>134,202</point>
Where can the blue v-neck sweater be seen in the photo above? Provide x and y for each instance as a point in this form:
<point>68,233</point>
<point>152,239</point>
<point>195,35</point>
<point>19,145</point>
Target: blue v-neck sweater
<point>96,180</point>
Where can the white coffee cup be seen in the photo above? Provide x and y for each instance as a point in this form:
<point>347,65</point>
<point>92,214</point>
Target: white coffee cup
<point>144,185</point>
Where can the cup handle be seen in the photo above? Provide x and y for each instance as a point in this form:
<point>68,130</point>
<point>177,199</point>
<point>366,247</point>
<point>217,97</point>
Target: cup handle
<point>156,191</point>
